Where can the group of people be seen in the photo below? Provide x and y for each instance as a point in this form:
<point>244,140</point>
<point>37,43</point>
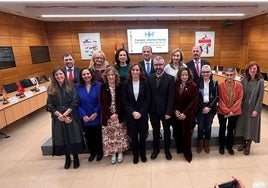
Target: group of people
<point>110,106</point>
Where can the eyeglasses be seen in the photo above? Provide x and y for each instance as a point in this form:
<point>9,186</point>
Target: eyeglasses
<point>158,65</point>
<point>68,59</point>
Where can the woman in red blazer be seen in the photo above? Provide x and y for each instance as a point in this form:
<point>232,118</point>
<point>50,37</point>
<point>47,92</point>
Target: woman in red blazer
<point>185,105</point>
<point>230,100</point>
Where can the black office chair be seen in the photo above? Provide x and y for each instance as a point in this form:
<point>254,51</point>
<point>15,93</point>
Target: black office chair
<point>264,75</point>
<point>9,88</point>
<point>26,83</point>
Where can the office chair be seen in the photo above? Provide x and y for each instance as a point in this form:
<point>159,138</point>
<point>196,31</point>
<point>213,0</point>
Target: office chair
<point>9,88</point>
<point>264,75</point>
<point>26,83</point>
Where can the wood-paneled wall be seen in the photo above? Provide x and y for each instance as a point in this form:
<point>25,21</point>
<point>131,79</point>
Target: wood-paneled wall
<point>255,39</point>
<point>234,46</point>
<point>63,36</point>
<point>20,33</point>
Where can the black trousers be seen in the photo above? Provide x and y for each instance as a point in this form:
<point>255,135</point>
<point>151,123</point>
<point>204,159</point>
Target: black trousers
<point>155,121</point>
<point>93,135</point>
<point>229,139</point>
<point>137,130</point>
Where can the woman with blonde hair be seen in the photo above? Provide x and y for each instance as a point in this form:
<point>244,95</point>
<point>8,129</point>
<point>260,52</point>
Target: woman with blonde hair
<point>98,64</point>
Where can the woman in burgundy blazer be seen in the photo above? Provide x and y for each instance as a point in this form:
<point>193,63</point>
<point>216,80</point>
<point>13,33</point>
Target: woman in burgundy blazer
<point>114,130</point>
<point>185,105</point>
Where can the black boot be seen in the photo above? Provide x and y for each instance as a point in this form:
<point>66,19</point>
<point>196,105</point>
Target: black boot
<point>247,148</point>
<point>67,161</point>
<point>76,161</point>
<point>242,145</point>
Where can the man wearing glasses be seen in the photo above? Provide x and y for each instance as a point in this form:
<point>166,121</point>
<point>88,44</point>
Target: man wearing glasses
<point>161,105</point>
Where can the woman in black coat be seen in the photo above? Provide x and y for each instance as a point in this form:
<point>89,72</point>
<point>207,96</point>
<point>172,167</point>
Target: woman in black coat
<point>136,99</point>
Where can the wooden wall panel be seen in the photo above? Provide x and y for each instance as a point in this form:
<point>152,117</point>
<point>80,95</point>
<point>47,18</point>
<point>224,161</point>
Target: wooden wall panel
<point>62,37</point>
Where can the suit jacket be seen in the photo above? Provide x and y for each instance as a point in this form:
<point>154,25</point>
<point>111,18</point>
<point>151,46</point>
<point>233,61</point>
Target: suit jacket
<point>162,97</point>
<point>131,104</point>
<point>213,96</point>
<point>144,69</point>
<point>76,74</point>
<point>105,100</point>
<point>191,66</point>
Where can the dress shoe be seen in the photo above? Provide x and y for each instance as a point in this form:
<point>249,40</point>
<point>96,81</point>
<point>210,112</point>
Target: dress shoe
<point>143,159</point>
<point>231,151</point>
<point>221,150</point>
<point>135,160</point>
<point>91,157</point>
<point>154,155</point>
<point>120,157</point>
<point>168,155</point>
<point>67,163</point>
<point>113,159</point>
<point>160,136</point>
<point>76,163</point>
<point>99,157</point>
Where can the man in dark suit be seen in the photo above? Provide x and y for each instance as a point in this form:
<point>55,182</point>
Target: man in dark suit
<point>147,62</point>
<point>148,68</point>
<point>195,66</point>
<point>71,71</point>
<point>161,105</point>
<point>196,63</point>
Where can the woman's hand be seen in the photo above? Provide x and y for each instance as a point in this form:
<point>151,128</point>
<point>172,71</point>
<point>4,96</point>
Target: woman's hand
<point>114,117</point>
<point>68,120</point>
<point>254,114</point>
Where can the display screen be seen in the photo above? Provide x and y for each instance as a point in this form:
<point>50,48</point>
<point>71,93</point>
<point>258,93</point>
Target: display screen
<point>39,54</point>
<point>6,57</point>
<point>156,38</point>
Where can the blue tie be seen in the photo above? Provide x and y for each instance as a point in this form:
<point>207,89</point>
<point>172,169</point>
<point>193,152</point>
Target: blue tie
<point>148,70</point>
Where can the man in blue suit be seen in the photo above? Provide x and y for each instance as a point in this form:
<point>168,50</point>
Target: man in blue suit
<point>71,71</point>
<point>147,62</point>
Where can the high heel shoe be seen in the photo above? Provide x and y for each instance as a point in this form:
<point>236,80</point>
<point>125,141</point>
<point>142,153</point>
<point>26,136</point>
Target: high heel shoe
<point>120,157</point>
<point>76,161</point>
<point>113,159</point>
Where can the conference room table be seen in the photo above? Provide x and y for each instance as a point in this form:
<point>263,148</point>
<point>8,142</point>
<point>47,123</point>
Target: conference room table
<point>18,107</point>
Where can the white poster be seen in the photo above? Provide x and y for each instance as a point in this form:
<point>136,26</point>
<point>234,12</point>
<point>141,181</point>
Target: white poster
<point>156,38</point>
<point>206,40</point>
<point>89,42</point>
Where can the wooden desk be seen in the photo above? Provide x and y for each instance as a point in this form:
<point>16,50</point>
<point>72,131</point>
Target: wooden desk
<point>221,79</point>
<point>13,111</point>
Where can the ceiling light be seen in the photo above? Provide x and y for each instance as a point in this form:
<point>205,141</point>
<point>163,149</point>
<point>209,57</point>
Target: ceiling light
<point>133,15</point>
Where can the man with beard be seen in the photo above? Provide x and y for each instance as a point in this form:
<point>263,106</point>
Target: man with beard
<point>71,70</point>
<point>161,105</point>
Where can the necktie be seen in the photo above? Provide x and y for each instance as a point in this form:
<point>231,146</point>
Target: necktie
<point>70,75</point>
<point>197,68</point>
<point>148,70</point>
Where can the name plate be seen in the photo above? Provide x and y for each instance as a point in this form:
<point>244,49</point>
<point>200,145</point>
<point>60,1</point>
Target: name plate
<point>42,88</point>
<point>13,99</point>
<point>28,94</point>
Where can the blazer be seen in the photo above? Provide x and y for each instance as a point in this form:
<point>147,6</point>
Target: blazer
<point>191,66</point>
<point>213,96</point>
<point>76,74</point>
<point>131,104</point>
<point>187,101</point>
<point>161,98</point>
<point>144,69</point>
<point>224,99</point>
<point>89,103</point>
<point>105,100</point>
